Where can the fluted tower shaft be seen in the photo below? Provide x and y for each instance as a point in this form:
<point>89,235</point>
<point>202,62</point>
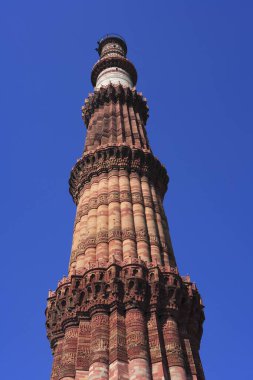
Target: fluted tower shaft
<point>123,312</point>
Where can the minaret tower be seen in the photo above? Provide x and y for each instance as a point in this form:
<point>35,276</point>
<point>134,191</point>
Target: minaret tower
<point>123,312</point>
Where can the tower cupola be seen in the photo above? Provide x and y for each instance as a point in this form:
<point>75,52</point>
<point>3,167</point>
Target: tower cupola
<point>113,66</point>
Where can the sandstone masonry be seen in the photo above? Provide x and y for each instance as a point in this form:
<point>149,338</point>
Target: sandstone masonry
<point>123,312</point>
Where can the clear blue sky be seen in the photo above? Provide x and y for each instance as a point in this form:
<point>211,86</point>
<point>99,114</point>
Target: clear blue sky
<point>194,59</point>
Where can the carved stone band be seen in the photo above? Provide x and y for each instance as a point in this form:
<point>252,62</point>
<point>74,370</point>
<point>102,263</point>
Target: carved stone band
<point>117,157</point>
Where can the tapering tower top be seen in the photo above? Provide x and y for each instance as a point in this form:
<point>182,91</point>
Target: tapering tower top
<point>112,44</point>
<point>113,66</point>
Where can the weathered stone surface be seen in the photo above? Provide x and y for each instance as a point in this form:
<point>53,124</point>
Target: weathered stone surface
<point>123,312</point>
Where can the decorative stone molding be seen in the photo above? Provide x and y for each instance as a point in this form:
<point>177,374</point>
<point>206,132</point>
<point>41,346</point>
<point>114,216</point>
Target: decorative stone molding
<point>128,234</point>
<point>102,237</point>
<point>114,234</point>
<point>115,61</point>
<point>148,201</point>
<point>126,284</point>
<point>125,196</point>
<point>117,157</point>
<point>113,93</point>
<point>92,203</point>
<point>102,199</point>
<point>142,235</point>
<point>114,196</point>
<point>137,198</point>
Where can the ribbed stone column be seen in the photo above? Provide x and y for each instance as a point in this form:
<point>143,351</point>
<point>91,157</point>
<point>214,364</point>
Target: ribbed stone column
<point>69,349</point>
<point>127,125</point>
<point>90,253</point>
<point>82,215</point>
<point>127,219</point>
<point>164,247</point>
<point>174,350</point>
<point>118,368</point>
<point>102,219</point>
<point>151,221</point>
<point>142,130</point>
<point>159,371</point>
<point>106,110</point>
<point>135,133</point>
<point>189,357</point>
<point>171,256</point>
<point>139,366</point>
<point>196,358</point>
<point>83,350</point>
<point>76,238</point>
<point>57,360</point>
<point>143,248</point>
<point>114,212</point>
<point>99,369</point>
<point>112,124</point>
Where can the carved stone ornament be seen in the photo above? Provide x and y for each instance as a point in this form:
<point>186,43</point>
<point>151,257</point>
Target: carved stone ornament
<point>117,157</point>
<point>123,311</point>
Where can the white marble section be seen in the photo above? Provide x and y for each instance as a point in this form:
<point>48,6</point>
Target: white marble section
<point>114,75</point>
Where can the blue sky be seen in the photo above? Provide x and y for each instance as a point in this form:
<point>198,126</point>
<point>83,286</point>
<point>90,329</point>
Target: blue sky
<point>194,60</point>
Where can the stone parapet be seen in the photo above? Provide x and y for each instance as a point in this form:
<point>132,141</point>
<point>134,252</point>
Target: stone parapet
<point>123,311</point>
<point>114,94</point>
<point>110,157</point>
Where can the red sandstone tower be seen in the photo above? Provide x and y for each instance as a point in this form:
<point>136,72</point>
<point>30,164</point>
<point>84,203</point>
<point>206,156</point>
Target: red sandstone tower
<point>123,312</point>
